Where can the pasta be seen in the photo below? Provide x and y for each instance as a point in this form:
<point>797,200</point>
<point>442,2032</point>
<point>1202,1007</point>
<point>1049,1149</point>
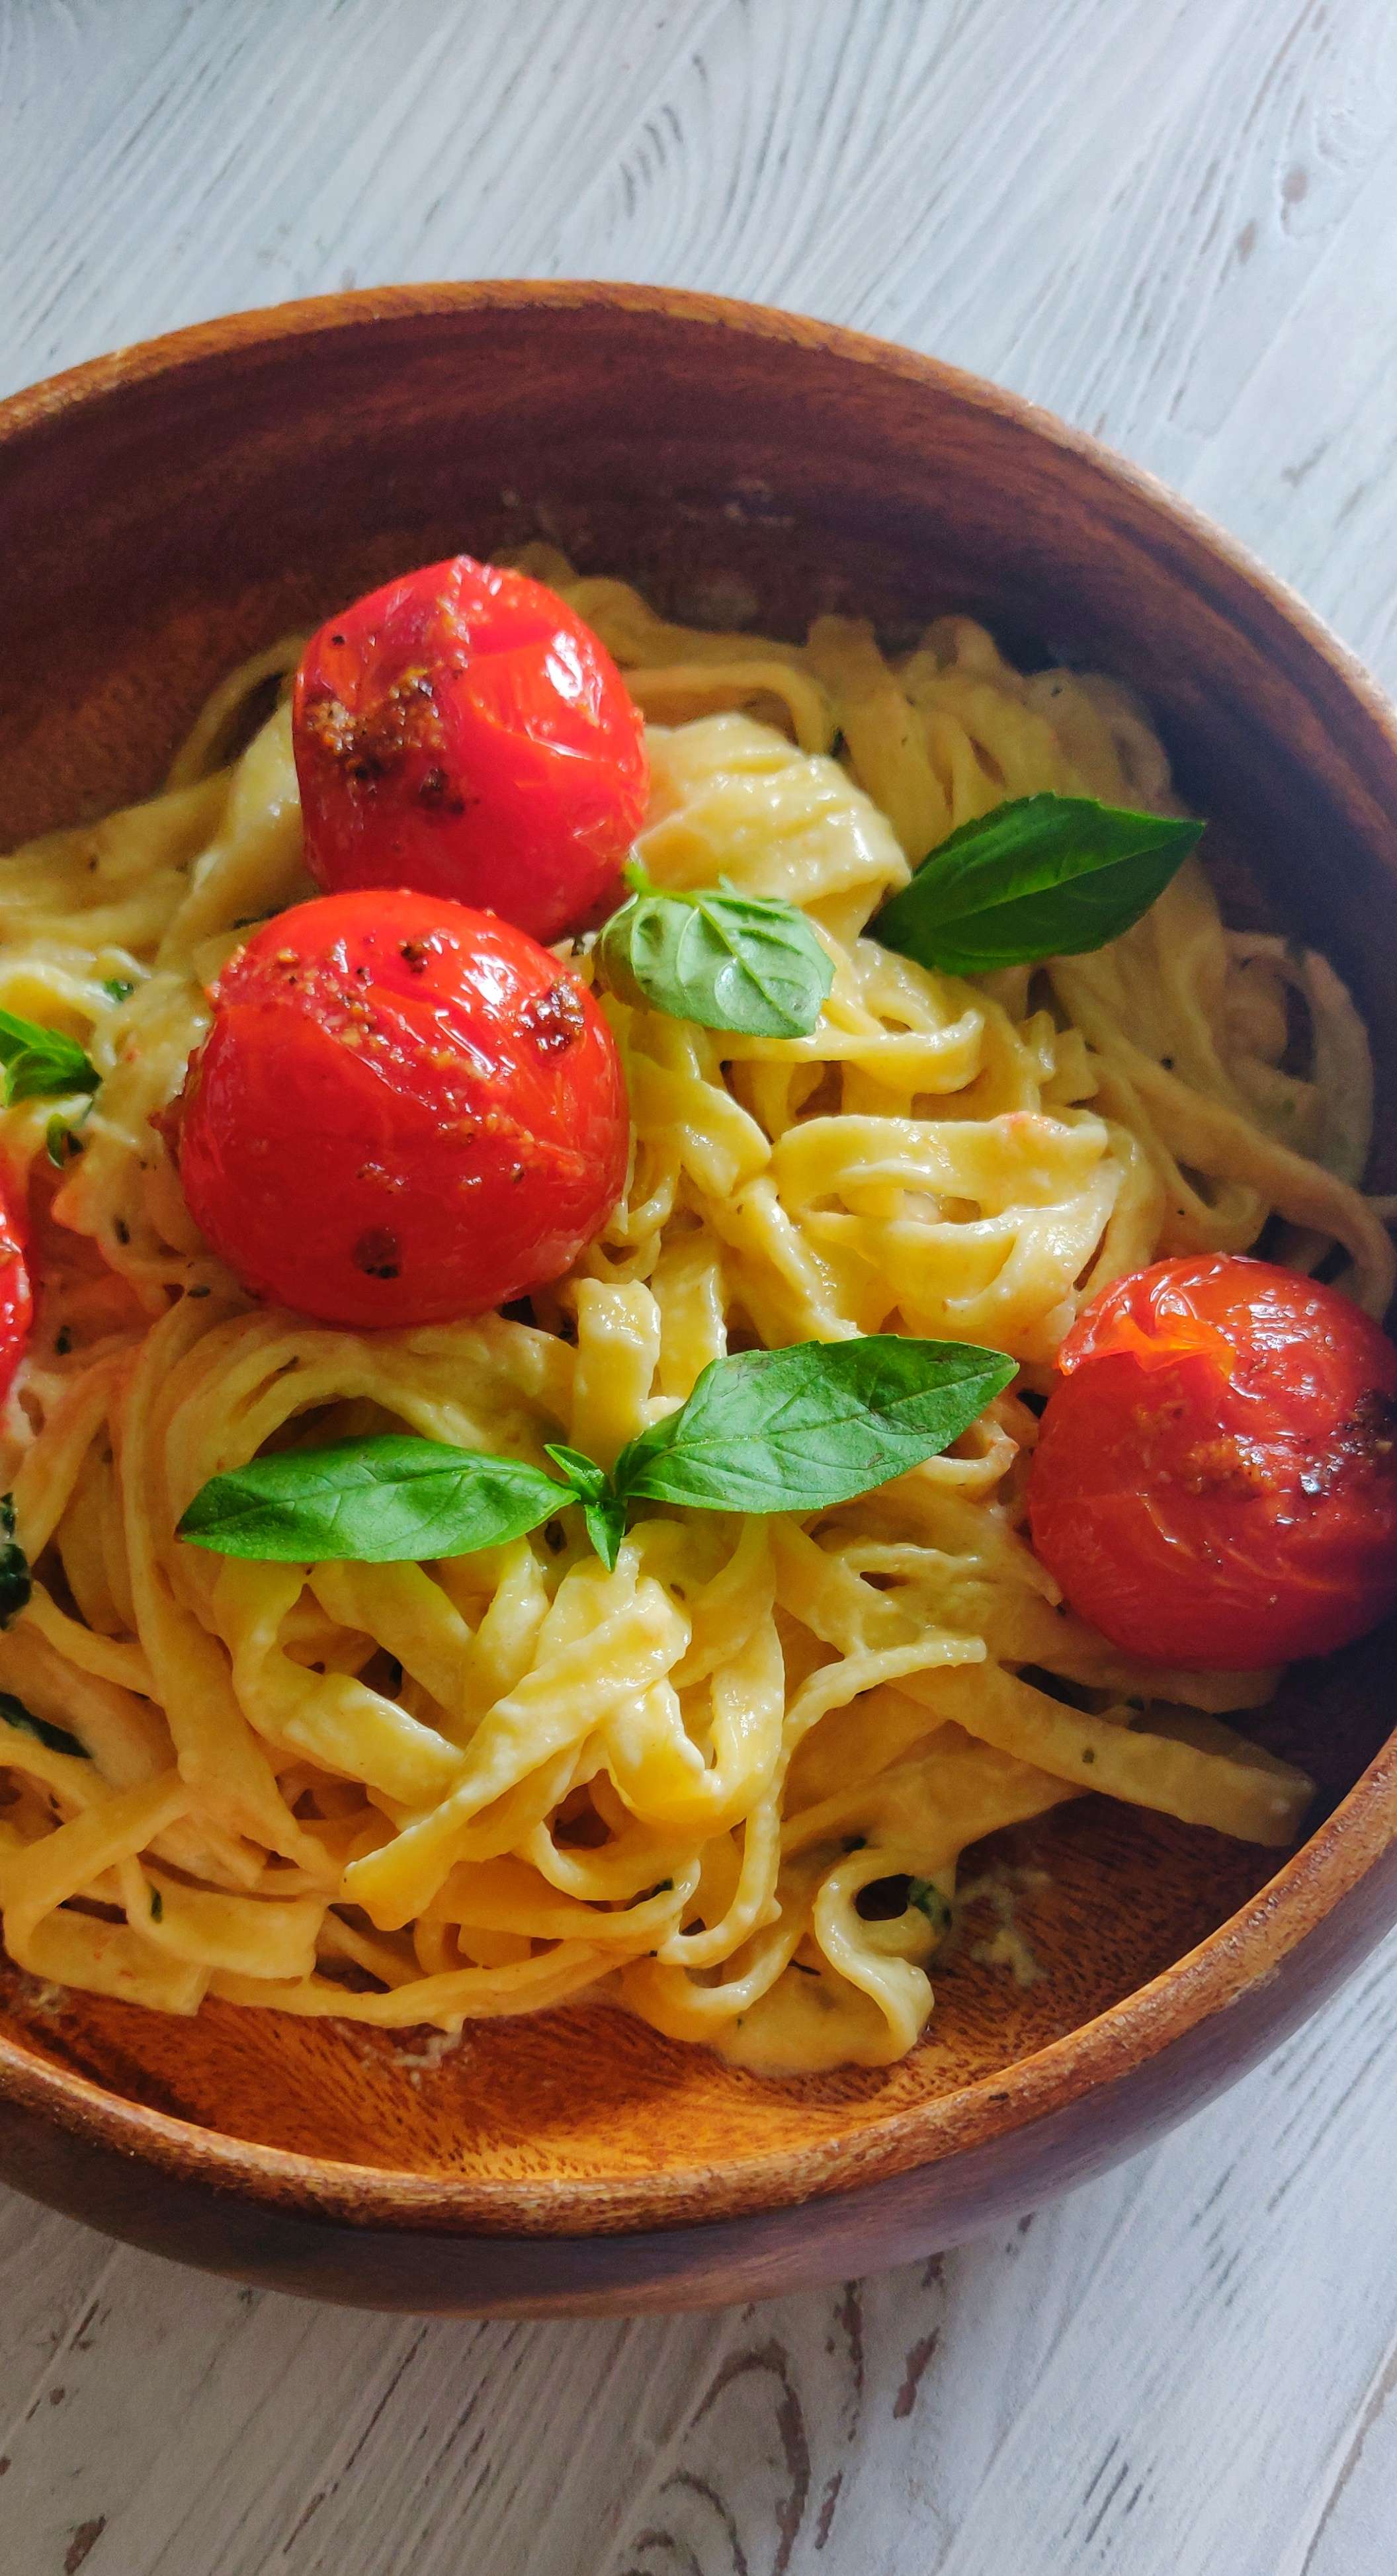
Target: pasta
<point>729,1781</point>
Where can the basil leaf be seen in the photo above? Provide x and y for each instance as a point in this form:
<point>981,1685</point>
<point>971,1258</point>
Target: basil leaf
<point>726,960</point>
<point>38,1060</point>
<point>1044,876</point>
<point>16,1583</point>
<point>15,1714</point>
<point>118,988</point>
<point>381,1501</point>
<point>794,1430</point>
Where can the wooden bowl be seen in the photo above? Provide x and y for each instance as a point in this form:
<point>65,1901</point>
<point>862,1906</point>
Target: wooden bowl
<point>165,511</point>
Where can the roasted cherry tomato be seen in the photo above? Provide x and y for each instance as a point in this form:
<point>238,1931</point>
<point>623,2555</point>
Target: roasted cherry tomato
<point>403,1112</point>
<point>1215,1480</point>
<point>462,732</point>
<point>16,1291</point>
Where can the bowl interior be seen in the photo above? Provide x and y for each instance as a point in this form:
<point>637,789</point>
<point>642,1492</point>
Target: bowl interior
<point>165,514</point>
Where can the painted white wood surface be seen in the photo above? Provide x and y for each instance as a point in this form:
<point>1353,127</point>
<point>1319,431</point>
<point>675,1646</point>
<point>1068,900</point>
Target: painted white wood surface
<point>1175,221</point>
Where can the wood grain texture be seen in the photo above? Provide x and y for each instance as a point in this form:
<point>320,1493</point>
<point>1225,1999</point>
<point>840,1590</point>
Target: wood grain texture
<point>1190,2367</point>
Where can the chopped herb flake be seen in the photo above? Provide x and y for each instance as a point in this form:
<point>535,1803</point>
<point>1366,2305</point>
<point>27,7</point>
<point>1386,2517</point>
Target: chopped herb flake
<point>14,1713</point>
<point>929,1901</point>
<point>15,1581</point>
<point>62,1142</point>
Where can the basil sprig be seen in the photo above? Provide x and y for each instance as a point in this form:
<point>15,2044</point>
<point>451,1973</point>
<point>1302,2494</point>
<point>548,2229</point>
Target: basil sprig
<point>39,1060</point>
<point>725,959</point>
<point>765,1431</point>
<point>1044,876</point>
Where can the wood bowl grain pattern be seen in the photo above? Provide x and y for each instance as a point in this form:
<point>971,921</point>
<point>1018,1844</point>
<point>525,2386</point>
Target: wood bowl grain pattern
<point>163,512</point>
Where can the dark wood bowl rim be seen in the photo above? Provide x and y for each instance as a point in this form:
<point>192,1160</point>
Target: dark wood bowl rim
<point>1241,1954</point>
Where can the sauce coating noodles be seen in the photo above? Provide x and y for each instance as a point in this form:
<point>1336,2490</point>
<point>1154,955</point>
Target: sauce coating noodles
<point>732,1778</point>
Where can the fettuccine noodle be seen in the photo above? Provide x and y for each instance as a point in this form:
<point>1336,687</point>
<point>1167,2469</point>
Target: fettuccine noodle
<point>407,1794</point>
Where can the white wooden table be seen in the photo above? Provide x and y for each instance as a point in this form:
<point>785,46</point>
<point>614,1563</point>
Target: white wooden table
<point>1175,221</point>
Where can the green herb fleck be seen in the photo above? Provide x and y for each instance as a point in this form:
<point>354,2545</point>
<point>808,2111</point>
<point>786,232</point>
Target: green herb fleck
<point>14,1713</point>
<point>929,1901</point>
<point>16,1583</point>
<point>62,1142</point>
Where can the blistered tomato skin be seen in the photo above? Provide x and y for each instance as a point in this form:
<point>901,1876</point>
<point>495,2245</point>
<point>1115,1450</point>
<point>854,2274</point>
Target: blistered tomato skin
<point>403,1113</point>
<point>16,1286</point>
<point>1215,1482</point>
<point>461,732</point>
